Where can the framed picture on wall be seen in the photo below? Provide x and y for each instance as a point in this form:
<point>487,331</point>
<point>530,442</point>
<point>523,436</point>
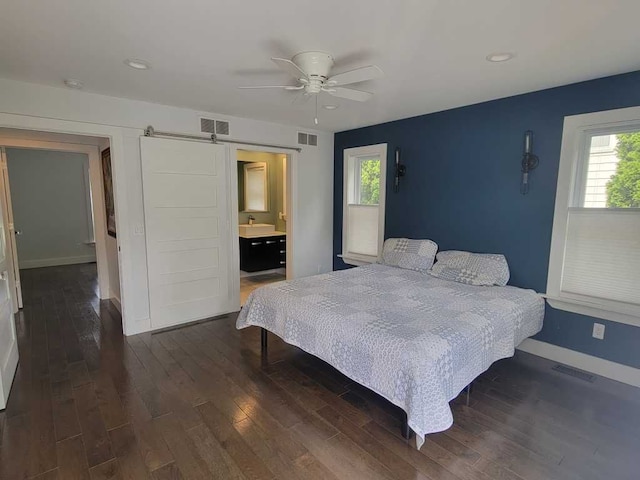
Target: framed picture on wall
<point>109,204</point>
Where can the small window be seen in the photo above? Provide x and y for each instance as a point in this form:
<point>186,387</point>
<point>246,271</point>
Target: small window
<point>363,203</point>
<point>594,266</point>
<point>611,162</point>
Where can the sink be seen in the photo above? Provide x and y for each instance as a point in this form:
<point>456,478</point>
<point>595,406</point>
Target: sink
<point>256,229</point>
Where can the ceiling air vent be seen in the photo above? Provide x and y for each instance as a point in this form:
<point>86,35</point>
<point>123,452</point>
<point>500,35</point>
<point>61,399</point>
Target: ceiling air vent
<point>207,125</point>
<point>222,128</point>
<point>219,127</point>
<point>307,139</point>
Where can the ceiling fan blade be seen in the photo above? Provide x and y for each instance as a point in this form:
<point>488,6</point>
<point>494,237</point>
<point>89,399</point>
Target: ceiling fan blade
<point>358,75</point>
<point>349,94</point>
<point>291,68</point>
<point>286,87</point>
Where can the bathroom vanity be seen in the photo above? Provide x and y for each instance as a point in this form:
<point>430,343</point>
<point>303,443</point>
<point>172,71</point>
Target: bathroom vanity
<point>261,249</point>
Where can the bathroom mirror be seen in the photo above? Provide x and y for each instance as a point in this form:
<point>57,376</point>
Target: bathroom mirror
<point>253,187</point>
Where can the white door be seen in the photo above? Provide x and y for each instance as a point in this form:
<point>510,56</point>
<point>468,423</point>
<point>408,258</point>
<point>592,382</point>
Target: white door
<point>8,341</point>
<point>187,219</point>
<point>12,248</point>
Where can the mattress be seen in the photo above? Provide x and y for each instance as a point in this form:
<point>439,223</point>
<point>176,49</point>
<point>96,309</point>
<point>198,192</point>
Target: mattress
<point>414,339</point>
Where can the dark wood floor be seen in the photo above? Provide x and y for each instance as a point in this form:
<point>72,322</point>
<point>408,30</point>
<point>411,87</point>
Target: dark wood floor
<point>197,403</point>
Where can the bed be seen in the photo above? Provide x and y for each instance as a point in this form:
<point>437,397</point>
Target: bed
<point>412,338</point>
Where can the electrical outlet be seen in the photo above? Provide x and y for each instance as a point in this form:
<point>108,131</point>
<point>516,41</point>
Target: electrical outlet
<point>138,229</point>
<point>598,331</point>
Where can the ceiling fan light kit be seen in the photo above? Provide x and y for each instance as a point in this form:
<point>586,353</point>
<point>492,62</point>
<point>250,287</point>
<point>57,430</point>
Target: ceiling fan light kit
<point>312,73</point>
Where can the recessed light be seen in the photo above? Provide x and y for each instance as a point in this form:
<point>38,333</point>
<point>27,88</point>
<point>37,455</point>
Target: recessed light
<point>73,83</point>
<point>500,57</point>
<point>330,107</point>
<point>137,64</point>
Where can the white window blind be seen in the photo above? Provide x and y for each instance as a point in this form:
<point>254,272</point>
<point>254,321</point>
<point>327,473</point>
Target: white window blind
<point>363,229</point>
<point>602,254</point>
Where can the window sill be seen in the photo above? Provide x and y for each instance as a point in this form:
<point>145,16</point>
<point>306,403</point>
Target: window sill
<point>359,261</point>
<point>628,315</point>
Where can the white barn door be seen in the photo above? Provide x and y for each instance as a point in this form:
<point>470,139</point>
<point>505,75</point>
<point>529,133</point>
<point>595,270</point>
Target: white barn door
<point>187,219</point>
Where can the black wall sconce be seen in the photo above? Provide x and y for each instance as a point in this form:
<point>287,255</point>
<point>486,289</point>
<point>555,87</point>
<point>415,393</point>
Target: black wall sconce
<point>400,171</point>
<point>529,162</point>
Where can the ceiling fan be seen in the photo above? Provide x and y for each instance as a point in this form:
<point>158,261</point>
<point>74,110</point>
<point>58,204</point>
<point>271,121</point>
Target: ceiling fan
<point>311,71</point>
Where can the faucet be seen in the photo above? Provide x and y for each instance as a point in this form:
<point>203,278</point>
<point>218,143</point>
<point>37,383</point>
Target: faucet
<point>251,219</point>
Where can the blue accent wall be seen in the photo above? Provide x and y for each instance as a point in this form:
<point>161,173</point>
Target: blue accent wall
<point>462,190</point>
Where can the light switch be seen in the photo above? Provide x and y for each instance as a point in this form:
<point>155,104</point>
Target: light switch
<point>138,229</point>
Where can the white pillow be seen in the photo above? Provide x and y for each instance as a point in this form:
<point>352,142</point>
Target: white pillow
<point>410,254</point>
<point>471,268</point>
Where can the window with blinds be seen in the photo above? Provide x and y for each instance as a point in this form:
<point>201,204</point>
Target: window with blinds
<point>363,203</point>
<point>595,252</point>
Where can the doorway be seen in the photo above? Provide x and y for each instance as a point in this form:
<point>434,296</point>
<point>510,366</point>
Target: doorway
<point>53,199</point>
<point>264,217</point>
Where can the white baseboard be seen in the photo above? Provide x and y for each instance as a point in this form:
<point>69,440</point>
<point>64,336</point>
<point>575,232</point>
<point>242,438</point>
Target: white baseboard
<point>137,326</point>
<point>599,366</point>
<point>116,303</point>
<point>54,262</point>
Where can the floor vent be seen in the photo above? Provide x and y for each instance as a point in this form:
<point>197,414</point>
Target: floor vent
<point>587,377</point>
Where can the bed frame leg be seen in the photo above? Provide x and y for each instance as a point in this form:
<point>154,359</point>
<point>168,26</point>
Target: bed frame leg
<point>405,429</point>
<point>468,389</point>
<point>264,357</point>
<point>263,341</point>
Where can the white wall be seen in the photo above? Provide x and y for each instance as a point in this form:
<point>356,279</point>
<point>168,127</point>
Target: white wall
<point>114,270</point>
<point>314,183</point>
<point>50,207</point>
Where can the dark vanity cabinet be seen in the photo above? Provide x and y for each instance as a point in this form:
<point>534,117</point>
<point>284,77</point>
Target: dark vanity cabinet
<point>263,253</point>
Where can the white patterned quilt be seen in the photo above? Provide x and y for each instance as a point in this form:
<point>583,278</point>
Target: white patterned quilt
<point>415,339</point>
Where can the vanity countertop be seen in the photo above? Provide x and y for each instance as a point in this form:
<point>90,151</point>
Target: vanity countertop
<point>270,234</point>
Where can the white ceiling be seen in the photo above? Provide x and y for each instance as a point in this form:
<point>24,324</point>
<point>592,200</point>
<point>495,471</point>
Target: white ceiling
<point>432,51</point>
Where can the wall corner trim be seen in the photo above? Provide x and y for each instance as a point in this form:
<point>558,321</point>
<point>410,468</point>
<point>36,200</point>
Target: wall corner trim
<point>599,366</point>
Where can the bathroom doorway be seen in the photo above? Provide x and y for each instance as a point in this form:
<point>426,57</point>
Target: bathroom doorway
<point>264,218</point>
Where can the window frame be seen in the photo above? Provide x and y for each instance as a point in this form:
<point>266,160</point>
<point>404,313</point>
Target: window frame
<point>570,191</point>
<point>377,150</point>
